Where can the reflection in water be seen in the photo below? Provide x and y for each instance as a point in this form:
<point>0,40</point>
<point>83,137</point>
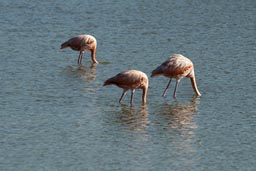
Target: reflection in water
<point>179,115</point>
<point>177,121</point>
<point>134,119</point>
<point>90,73</point>
<point>84,72</point>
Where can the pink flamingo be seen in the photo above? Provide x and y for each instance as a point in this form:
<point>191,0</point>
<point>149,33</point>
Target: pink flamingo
<point>178,67</point>
<point>82,43</point>
<point>130,80</point>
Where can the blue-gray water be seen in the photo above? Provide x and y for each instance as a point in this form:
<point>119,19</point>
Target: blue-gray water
<point>58,117</point>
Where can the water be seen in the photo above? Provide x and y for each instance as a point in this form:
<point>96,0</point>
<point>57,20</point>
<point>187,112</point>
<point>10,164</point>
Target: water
<point>55,115</point>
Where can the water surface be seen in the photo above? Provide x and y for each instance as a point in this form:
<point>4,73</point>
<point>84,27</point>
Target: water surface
<point>55,115</point>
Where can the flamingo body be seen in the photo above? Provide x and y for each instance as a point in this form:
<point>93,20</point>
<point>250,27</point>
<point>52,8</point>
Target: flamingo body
<point>130,80</point>
<point>178,67</point>
<point>82,43</point>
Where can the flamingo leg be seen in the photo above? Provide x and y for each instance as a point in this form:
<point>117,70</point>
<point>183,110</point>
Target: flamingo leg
<point>78,60</point>
<point>124,92</point>
<point>166,88</point>
<point>132,92</point>
<point>81,57</point>
<point>176,86</point>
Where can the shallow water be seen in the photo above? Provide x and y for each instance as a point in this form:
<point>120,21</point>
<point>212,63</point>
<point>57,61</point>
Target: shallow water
<point>55,115</point>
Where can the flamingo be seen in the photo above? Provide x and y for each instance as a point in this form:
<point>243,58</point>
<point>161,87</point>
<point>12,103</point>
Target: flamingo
<point>130,80</point>
<point>82,43</point>
<point>178,67</point>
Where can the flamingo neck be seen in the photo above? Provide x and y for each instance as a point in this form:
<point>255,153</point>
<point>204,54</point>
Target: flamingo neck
<point>93,56</point>
<point>144,95</point>
<point>193,82</point>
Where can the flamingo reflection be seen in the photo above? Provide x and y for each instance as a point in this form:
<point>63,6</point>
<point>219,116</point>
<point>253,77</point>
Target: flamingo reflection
<point>180,115</point>
<point>133,119</point>
<point>83,72</point>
